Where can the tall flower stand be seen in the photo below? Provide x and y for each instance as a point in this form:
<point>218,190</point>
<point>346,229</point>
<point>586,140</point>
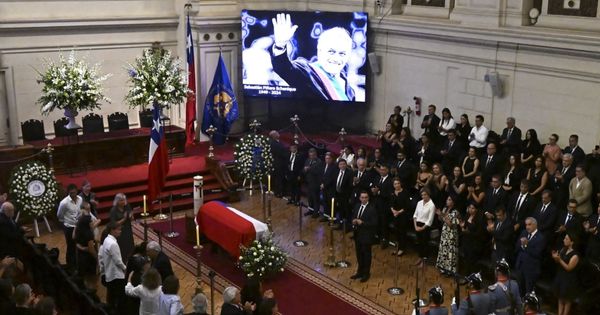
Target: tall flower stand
<point>35,224</point>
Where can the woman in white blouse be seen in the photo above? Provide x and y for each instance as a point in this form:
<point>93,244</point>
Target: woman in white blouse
<point>148,292</point>
<point>446,123</point>
<point>422,220</point>
<point>348,155</point>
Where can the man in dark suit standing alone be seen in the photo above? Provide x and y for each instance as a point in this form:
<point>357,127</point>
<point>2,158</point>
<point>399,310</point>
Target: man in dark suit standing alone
<point>312,178</point>
<point>328,175</point>
<point>280,155</point>
<point>546,215</point>
<point>292,174</point>
<point>491,163</point>
<point>521,206</point>
<point>343,192</point>
<point>530,247</point>
<point>364,222</point>
<point>575,150</point>
<point>430,124</point>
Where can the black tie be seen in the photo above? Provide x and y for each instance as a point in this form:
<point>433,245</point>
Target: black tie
<point>488,161</point>
<point>325,172</point>
<point>381,181</point>
<point>568,219</point>
<point>360,211</point>
<point>509,132</point>
<point>543,209</point>
<point>529,236</point>
<point>498,225</point>
<point>339,182</point>
<point>359,174</point>
<point>450,145</point>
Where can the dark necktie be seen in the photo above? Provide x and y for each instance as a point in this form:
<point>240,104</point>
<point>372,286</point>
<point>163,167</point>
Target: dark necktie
<point>488,161</point>
<point>509,133</point>
<point>381,181</point>
<point>529,236</point>
<point>339,181</point>
<point>568,219</point>
<point>543,209</point>
<point>564,170</point>
<point>359,174</point>
<point>325,172</point>
<point>360,211</point>
<point>498,225</point>
<point>450,145</point>
<point>519,201</point>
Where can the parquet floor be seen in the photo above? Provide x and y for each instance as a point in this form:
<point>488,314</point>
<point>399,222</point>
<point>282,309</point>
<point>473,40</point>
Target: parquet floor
<point>285,225</point>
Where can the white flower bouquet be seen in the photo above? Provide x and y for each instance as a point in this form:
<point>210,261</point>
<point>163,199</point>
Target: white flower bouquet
<point>71,84</point>
<point>156,77</point>
<point>34,189</point>
<point>262,259</point>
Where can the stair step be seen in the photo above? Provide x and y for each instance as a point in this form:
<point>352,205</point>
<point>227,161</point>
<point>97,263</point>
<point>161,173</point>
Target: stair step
<point>140,189</point>
<point>143,181</point>
<point>181,204</point>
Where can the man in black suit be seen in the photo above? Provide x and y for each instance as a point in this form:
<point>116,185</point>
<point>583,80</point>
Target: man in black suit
<point>293,174</point>
<point>280,155</point>
<point>561,180</point>
<point>491,163</point>
<point>404,169</point>
<point>495,196</point>
<point>312,178</point>
<point>232,303</point>
<point>452,152</point>
<point>546,214</point>
<point>575,150</point>
<point>502,236</point>
<point>364,223</point>
<point>570,222</point>
<point>530,247</point>
<point>382,188</point>
<point>160,261</point>
<point>361,180</point>
<point>511,137</point>
<point>592,227</point>
<point>328,174</point>
<point>430,124</point>
<point>343,192</point>
<point>11,235</point>
<point>521,206</point>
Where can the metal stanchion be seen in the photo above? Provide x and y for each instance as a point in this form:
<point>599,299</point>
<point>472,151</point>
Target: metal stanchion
<point>343,263</point>
<point>211,275</point>
<point>300,242</point>
<point>171,234</point>
<point>331,257</point>
<point>160,216</point>
<point>395,290</point>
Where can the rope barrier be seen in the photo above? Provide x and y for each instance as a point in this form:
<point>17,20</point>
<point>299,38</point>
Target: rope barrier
<point>23,158</point>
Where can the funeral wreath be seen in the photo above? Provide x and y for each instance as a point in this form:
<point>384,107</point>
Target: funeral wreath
<point>34,189</point>
<point>252,157</point>
<point>262,259</point>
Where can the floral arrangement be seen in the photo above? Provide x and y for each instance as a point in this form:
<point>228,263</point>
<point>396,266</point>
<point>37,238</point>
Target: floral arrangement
<point>252,156</point>
<point>262,259</point>
<point>71,84</point>
<point>34,189</point>
<point>156,77</point>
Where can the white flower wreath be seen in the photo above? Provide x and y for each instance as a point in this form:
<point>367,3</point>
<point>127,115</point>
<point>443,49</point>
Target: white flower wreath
<point>253,158</point>
<point>262,259</point>
<point>34,189</point>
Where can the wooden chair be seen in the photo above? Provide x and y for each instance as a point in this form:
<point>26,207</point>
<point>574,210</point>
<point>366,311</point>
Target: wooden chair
<point>61,131</point>
<point>146,118</point>
<point>33,130</point>
<point>92,123</point>
<point>118,121</point>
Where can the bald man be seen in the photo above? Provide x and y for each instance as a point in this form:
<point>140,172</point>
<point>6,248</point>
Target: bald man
<point>10,234</point>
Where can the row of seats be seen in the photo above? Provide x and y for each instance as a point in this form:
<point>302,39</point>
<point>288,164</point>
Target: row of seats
<point>33,129</point>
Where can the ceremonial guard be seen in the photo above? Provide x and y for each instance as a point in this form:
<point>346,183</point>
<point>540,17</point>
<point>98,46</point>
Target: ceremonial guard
<point>532,304</point>
<point>436,299</point>
<point>477,302</point>
<point>504,294</point>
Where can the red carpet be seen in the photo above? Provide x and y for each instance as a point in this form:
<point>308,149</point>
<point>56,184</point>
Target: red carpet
<point>294,293</point>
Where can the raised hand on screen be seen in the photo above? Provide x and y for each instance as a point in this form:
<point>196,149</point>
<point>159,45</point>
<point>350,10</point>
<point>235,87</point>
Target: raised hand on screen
<point>283,30</point>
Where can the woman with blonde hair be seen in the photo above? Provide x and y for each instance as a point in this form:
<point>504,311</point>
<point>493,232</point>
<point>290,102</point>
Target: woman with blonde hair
<point>122,215</point>
<point>148,292</point>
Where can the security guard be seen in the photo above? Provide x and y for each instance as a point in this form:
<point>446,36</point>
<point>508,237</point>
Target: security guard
<point>436,299</point>
<point>532,304</point>
<point>505,292</point>
<point>477,302</point>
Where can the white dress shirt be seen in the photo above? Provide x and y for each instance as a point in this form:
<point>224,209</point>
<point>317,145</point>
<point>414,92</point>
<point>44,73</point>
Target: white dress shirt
<point>170,304</point>
<point>69,211</point>
<point>447,125</point>
<point>480,138</point>
<point>149,299</point>
<point>109,258</point>
<point>425,212</point>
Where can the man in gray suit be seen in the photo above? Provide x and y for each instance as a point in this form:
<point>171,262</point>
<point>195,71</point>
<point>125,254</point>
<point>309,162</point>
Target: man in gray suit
<point>580,189</point>
<point>477,302</point>
<point>505,296</point>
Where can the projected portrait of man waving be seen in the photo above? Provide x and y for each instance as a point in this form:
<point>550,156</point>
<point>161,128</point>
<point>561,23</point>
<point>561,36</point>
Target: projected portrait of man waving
<point>325,77</point>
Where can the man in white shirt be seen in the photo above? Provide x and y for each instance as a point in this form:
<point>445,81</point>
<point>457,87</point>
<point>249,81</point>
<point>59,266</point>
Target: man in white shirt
<point>68,213</point>
<point>112,267</point>
<point>478,135</point>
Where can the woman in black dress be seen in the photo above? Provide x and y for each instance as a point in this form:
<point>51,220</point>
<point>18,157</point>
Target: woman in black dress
<point>386,138</point>
<point>476,192</point>
<point>86,245</point>
<point>566,286</point>
<point>470,166</point>
<point>463,129</point>
<point>406,143</point>
<point>399,206</point>
<point>396,119</point>
<point>457,188</point>
<point>531,148</point>
<point>538,178</point>
<point>122,214</point>
<point>473,238</point>
<point>514,174</point>
<point>88,196</point>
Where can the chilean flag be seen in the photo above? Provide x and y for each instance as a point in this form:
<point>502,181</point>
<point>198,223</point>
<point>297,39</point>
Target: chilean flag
<point>190,105</point>
<point>158,160</point>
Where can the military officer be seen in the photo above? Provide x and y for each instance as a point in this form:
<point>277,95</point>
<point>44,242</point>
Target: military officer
<point>436,299</point>
<point>505,292</point>
<point>477,302</point>
<point>532,304</point>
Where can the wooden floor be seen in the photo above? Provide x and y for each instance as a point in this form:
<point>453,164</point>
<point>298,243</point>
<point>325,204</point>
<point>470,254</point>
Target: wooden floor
<point>285,224</point>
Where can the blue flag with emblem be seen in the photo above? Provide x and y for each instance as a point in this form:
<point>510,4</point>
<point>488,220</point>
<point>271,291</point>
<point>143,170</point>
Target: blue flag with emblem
<point>220,107</point>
